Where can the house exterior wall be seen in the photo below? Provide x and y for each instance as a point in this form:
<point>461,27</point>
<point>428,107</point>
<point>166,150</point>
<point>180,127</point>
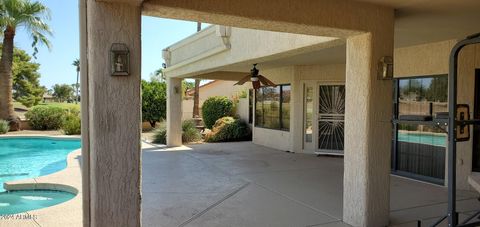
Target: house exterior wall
<point>309,74</point>
<point>420,60</point>
<point>217,88</point>
<point>433,59</point>
<point>296,76</point>
<point>278,139</point>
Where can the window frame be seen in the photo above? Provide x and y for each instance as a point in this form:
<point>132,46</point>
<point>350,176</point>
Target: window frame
<point>396,110</point>
<point>281,128</point>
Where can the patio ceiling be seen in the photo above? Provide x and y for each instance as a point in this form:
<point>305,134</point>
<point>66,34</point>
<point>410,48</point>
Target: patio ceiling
<point>328,56</point>
<point>414,23</point>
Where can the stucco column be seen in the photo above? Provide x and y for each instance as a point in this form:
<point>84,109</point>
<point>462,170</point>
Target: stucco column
<point>368,129</point>
<point>111,114</point>
<point>174,111</point>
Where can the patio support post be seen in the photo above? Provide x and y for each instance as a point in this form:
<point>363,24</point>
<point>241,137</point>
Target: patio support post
<point>368,128</point>
<point>174,112</point>
<point>111,115</point>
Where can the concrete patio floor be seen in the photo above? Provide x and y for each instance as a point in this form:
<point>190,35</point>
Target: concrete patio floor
<point>242,184</point>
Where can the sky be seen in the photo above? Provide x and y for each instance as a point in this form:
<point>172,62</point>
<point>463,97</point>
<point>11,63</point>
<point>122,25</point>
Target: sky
<point>56,64</point>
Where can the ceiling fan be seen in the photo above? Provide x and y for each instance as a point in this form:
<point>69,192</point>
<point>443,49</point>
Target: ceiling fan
<point>257,79</point>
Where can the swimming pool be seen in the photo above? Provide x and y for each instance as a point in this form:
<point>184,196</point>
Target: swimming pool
<point>24,157</point>
<point>14,202</point>
<point>436,139</point>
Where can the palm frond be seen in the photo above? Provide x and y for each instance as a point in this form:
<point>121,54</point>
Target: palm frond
<point>32,16</point>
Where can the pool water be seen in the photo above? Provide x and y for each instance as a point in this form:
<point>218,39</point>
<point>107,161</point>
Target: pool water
<point>14,202</point>
<point>428,139</point>
<point>22,158</point>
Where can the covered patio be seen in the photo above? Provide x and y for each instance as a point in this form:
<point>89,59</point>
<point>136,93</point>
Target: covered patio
<point>243,184</point>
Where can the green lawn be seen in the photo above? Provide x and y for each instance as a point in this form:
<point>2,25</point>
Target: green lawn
<point>60,104</point>
<point>19,105</point>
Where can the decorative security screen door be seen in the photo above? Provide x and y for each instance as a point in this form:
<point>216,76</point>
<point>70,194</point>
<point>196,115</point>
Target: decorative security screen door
<point>331,119</point>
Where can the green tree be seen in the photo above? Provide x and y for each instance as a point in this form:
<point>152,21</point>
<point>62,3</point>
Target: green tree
<point>26,85</point>
<point>154,101</point>
<point>438,90</point>
<point>158,75</point>
<point>76,63</point>
<point>31,17</point>
<point>62,92</point>
<point>187,85</point>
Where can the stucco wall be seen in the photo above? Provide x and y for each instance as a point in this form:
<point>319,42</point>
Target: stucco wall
<point>242,109</point>
<point>246,44</point>
<point>296,76</point>
<point>426,59</point>
<point>222,88</point>
<point>281,140</point>
<point>217,88</point>
<point>432,59</point>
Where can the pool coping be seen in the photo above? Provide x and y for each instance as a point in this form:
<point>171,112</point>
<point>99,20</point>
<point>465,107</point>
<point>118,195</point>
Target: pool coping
<point>69,179</point>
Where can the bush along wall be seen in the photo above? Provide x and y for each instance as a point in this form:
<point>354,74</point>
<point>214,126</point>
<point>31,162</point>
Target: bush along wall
<point>228,129</point>
<point>72,123</point>
<point>215,108</point>
<point>4,126</point>
<point>189,133</point>
<point>46,117</point>
<point>55,118</point>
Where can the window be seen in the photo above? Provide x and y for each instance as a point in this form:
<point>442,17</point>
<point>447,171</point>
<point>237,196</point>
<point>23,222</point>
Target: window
<point>419,144</point>
<point>272,107</point>
<point>423,96</point>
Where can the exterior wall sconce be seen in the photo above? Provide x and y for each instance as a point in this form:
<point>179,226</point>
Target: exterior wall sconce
<point>120,59</point>
<point>385,68</point>
<point>176,89</point>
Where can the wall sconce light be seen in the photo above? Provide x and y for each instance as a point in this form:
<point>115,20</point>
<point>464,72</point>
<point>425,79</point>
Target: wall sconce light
<point>120,59</point>
<point>176,89</point>
<point>385,68</point>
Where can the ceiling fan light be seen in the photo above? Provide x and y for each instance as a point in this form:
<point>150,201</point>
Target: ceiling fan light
<point>254,78</point>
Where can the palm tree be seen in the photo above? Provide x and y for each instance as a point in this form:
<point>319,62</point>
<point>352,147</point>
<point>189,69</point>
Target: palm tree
<point>196,95</point>
<point>76,63</point>
<point>31,17</point>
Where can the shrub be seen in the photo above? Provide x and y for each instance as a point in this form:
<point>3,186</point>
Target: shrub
<point>229,129</point>
<point>72,123</point>
<point>154,101</point>
<point>46,117</point>
<point>160,136</point>
<point>189,133</point>
<point>4,126</point>
<point>215,108</point>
